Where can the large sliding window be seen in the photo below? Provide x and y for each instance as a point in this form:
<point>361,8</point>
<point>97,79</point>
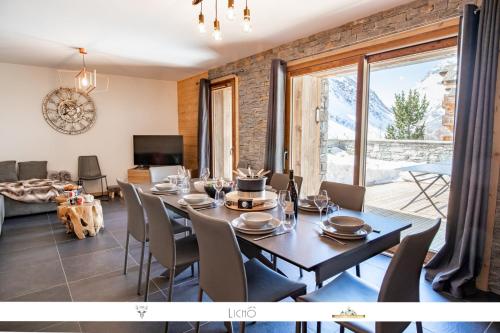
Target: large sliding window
<point>382,120</point>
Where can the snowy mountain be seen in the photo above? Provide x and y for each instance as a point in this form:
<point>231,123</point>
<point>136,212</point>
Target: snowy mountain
<point>342,106</point>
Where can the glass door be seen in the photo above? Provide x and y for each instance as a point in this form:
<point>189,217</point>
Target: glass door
<point>323,126</point>
<point>222,131</point>
<point>409,148</point>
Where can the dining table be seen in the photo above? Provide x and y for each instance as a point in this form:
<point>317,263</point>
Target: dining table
<point>303,246</point>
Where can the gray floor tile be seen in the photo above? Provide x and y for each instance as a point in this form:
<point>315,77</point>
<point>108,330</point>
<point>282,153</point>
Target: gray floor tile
<point>27,326</point>
<point>110,287</point>
<point>93,264</point>
<point>55,294</point>
<point>134,327</point>
<point>27,279</point>
<point>28,257</point>
<point>102,241</point>
<point>63,327</point>
<point>21,241</point>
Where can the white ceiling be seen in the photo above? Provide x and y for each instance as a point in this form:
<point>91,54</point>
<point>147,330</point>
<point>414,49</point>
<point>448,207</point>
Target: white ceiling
<point>159,38</point>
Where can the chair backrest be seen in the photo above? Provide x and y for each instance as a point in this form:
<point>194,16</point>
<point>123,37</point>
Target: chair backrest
<point>346,196</point>
<point>161,234</point>
<point>279,181</point>
<point>88,166</point>
<point>136,223</point>
<point>401,282</point>
<point>222,273</point>
<point>158,173</point>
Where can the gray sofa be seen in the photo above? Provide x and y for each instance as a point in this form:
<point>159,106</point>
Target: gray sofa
<point>25,170</point>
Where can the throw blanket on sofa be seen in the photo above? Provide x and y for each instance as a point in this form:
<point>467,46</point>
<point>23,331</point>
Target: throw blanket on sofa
<point>32,190</point>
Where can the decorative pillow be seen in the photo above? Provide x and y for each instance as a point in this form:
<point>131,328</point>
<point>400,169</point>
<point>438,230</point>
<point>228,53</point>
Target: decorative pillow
<point>8,171</point>
<point>32,169</point>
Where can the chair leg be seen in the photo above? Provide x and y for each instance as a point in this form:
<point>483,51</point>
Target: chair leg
<point>166,327</point>
<point>419,327</point>
<point>358,271</point>
<point>342,329</point>
<point>275,262</point>
<point>242,327</point>
<point>171,284</point>
<point>304,326</point>
<point>200,299</point>
<point>297,327</point>
<point>148,272</point>
<point>318,327</point>
<point>192,270</point>
<point>126,254</point>
<point>301,273</point>
<point>140,268</point>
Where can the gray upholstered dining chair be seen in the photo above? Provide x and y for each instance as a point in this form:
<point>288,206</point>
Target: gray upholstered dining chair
<point>224,277</point>
<point>170,253</point>
<point>158,173</point>
<point>401,283</point>
<point>279,181</point>
<point>89,170</point>
<point>346,196</point>
<point>137,225</point>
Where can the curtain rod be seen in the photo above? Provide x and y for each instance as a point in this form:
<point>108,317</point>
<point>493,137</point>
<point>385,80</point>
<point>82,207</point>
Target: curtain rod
<point>228,74</point>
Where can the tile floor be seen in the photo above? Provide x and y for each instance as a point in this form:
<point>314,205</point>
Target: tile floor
<point>40,262</point>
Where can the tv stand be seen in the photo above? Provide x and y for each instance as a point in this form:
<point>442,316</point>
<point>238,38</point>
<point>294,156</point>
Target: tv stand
<point>138,175</point>
<point>142,167</point>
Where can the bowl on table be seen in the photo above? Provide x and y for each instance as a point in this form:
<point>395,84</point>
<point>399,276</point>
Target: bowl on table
<point>346,224</point>
<point>195,198</point>
<point>210,189</point>
<point>199,186</point>
<point>165,186</point>
<point>256,220</point>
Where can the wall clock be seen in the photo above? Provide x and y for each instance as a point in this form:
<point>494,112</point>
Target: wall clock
<point>69,111</point>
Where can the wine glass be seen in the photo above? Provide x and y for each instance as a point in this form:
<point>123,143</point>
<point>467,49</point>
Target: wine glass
<point>219,185</point>
<point>289,222</point>
<point>283,198</point>
<point>321,201</point>
<point>204,174</point>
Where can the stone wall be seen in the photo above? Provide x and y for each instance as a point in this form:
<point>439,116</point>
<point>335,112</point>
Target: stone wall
<point>253,71</point>
<point>419,151</point>
<point>494,278</point>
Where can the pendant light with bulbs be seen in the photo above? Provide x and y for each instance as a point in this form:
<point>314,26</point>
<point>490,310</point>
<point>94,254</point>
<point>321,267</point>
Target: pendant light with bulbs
<point>85,81</point>
<point>230,14</point>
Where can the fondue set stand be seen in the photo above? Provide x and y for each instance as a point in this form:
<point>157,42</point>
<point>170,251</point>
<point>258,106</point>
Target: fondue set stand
<point>251,195</point>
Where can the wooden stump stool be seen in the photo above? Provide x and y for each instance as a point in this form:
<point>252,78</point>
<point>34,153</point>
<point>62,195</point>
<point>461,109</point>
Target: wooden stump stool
<point>84,219</point>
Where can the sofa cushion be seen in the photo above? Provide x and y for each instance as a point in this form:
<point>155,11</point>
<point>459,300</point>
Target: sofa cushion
<point>8,171</point>
<point>32,169</point>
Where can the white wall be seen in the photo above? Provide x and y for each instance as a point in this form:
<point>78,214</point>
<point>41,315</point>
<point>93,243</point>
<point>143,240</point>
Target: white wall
<point>130,106</point>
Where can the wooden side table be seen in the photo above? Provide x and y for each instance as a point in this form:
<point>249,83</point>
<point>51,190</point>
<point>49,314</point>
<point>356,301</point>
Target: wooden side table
<point>84,219</point>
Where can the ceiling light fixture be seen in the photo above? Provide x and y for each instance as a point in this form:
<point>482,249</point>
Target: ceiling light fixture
<point>230,10</point>
<point>217,33</point>
<point>247,26</point>
<point>201,20</point>
<point>85,81</point>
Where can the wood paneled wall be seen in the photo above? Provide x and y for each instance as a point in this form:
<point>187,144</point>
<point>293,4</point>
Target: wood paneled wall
<point>187,97</point>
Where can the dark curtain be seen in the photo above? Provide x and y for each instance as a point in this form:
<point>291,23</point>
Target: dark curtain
<point>275,146</point>
<point>204,128</point>
<point>455,267</point>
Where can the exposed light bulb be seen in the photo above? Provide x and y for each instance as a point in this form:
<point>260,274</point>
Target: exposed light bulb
<point>85,81</point>
<point>247,26</point>
<point>230,10</point>
<point>201,23</point>
<point>217,33</point>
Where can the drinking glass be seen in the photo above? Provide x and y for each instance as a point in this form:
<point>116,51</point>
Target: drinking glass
<point>289,222</point>
<point>283,199</point>
<point>205,174</point>
<point>321,201</point>
<point>219,185</point>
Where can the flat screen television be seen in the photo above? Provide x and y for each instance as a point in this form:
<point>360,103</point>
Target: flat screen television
<point>158,150</point>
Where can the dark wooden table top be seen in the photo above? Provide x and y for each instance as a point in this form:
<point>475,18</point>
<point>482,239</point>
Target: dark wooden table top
<point>303,246</point>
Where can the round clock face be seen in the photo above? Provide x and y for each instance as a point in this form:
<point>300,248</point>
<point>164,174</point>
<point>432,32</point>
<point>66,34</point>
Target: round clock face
<point>69,111</point>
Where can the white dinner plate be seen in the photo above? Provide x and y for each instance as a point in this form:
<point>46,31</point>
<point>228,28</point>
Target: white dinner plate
<point>360,234</point>
<point>240,226</point>
<point>154,190</point>
<point>264,196</point>
<point>206,203</point>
